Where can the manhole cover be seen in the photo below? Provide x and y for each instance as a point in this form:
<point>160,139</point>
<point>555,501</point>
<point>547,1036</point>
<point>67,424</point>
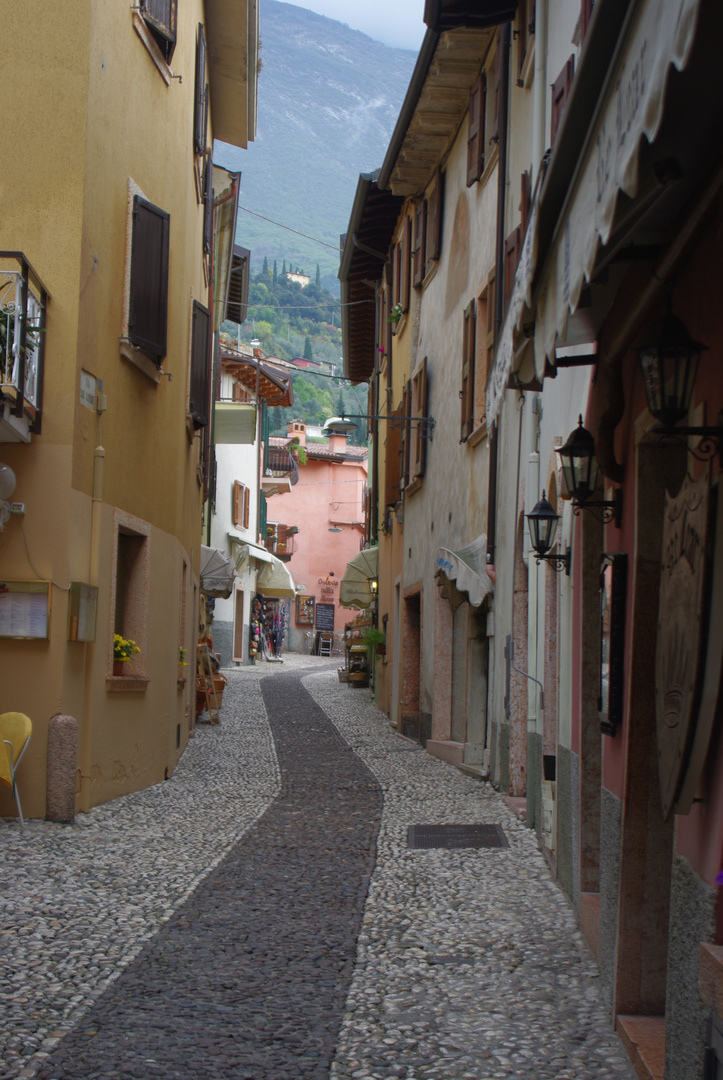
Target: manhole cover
<point>456,836</point>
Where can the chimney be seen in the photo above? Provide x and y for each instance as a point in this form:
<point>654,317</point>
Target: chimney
<point>337,443</point>
<point>296,429</point>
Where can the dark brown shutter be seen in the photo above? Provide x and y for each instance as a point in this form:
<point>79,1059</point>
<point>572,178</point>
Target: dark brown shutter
<point>396,273</point>
<point>388,326</point>
<point>522,40</point>
<point>160,15</point>
<point>406,260</point>
<point>199,109</point>
<point>148,307</point>
<point>436,214</point>
<point>476,130</point>
<point>495,132</point>
<point>391,462</point>
<point>586,9</point>
<point>560,92</point>
<point>420,237</point>
<point>468,364</point>
<point>207,205</point>
<point>405,436</point>
<point>199,405</point>
<point>525,199</point>
<point>420,410</point>
<point>512,257</point>
<point>236,512</point>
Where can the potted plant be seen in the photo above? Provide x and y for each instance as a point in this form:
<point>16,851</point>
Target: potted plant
<point>123,650</point>
<point>375,640</point>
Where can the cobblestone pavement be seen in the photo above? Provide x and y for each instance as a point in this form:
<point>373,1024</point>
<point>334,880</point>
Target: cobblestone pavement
<point>212,925</point>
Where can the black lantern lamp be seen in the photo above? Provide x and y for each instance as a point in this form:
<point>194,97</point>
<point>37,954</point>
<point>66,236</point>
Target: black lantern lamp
<point>542,521</point>
<point>579,466</point>
<point>373,586</point>
<point>669,365</point>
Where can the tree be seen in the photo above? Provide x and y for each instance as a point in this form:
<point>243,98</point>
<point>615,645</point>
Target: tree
<point>318,274</point>
<point>340,403</point>
<point>265,271</point>
<point>283,270</point>
<point>308,353</point>
<point>276,276</point>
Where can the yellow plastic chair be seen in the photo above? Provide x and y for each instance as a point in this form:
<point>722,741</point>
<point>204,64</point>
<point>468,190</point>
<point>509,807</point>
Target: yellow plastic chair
<point>15,731</point>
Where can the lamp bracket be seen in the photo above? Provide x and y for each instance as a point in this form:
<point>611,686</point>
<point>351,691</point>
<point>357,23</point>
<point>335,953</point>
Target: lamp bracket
<point>426,424</point>
<point>558,562</point>
<point>711,439</point>
<point>610,509</point>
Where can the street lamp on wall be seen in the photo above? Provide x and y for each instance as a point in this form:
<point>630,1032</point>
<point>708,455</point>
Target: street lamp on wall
<point>344,425</point>
<point>579,466</point>
<point>542,521</point>
<point>669,365</point>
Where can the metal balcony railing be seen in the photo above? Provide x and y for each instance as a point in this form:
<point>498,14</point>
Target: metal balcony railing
<point>278,461</point>
<point>280,540</point>
<point>23,302</point>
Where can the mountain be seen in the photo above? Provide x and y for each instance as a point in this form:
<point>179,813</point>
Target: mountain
<point>328,100</point>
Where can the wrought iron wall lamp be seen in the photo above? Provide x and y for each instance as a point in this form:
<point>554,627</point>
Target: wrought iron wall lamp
<point>542,521</point>
<point>579,467</point>
<point>669,365</point>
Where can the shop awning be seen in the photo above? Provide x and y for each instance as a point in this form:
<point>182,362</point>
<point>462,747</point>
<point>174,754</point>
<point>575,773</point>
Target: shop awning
<point>659,37</point>
<point>354,588</point>
<point>245,552</point>
<point>234,423</point>
<point>274,579</point>
<point>217,572</point>
<point>462,574</point>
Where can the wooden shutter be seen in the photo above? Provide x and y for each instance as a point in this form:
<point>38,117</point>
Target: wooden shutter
<point>420,237</point>
<point>525,199</point>
<point>586,9</point>
<point>160,15</point>
<point>495,132</point>
<point>560,93</point>
<point>397,273</point>
<point>436,214</point>
<point>406,261</point>
<point>388,327</point>
<point>476,130</point>
<point>199,109</point>
<point>393,449</point>
<point>512,257</point>
<point>247,500</point>
<point>148,302</point>
<point>207,205</point>
<point>199,405</point>
<point>419,406</point>
<point>236,511</point>
<point>468,364</point>
<point>405,437</point>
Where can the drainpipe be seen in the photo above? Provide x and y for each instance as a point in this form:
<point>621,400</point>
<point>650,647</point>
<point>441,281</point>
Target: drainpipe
<point>86,731</point>
<point>505,37</point>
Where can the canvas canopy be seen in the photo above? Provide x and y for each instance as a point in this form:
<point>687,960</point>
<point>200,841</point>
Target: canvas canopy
<point>275,580</point>
<point>354,588</point>
<point>217,573</point>
<point>462,574</point>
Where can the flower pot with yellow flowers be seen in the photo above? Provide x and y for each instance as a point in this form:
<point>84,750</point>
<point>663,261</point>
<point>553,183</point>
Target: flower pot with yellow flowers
<point>123,650</point>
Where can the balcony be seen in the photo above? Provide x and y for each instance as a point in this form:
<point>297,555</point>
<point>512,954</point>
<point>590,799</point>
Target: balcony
<point>280,540</point>
<point>280,471</point>
<point>23,302</point>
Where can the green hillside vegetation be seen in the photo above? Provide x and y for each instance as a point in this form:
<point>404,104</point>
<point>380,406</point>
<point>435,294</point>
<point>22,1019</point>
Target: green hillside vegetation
<point>290,320</point>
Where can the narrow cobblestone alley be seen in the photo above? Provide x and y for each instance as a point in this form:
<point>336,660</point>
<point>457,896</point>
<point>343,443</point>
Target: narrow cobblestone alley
<point>234,921</point>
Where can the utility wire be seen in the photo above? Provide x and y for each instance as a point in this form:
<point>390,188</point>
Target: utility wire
<point>334,247</point>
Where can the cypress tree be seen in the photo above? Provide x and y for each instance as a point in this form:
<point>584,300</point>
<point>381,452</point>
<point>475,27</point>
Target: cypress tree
<point>276,276</point>
<point>308,354</point>
<point>283,269</point>
<point>265,270</point>
<point>318,274</point>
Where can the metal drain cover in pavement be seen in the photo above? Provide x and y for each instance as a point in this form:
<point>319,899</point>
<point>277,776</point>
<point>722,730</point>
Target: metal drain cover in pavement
<point>456,836</point>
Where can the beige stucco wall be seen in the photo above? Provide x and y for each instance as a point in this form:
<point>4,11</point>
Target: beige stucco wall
<point>95,112</point>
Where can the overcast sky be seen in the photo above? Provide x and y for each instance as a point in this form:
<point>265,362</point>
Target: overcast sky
<point>395,22</point>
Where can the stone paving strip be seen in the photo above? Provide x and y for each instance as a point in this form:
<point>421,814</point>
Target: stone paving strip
<point>153,935</point>
<point>470,965</point>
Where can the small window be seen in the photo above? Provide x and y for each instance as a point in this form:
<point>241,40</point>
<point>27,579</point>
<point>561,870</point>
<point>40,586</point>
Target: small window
<point>241,500</point>
<point>468,372</point>
<point>148,300</point>
<point>131,565</point>
<point>418,448</point>
<point>405,272</point>
<point>560,94</point>
<point>434,220</point>
<point>160,17</point>
<point>477,356</point>
<point>199,399</point>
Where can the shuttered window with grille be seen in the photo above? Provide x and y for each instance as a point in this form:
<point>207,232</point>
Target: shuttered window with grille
<point>148,302</point>
<point>160,17</point>
<point>200,390</point>
<point>467,393</point>
<point>200,109</point>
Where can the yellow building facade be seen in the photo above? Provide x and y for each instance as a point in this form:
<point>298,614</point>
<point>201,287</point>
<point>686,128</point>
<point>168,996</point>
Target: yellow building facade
<point>107,205</point>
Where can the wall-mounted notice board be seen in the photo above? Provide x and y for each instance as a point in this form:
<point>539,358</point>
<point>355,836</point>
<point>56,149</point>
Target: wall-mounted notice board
<point>24,609</point>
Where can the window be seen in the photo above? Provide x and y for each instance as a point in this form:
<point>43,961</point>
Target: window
<point>525,32</point>
<point>160,18</point>
<point>560,93</point>
<point>208,205</point>
<point>148,294</point>
<point>512,257</point>
<point>405,278</point>
<point>418,441</point>
<point>525,199</point>
<point>131,569</point>
<point>200,110</point>
<point>199,398</point>
<point>241,501</point>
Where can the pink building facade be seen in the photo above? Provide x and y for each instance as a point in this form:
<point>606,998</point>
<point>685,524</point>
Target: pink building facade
<point>320,527</point>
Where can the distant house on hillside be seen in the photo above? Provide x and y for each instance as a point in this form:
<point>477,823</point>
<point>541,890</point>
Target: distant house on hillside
<point>300,279</point>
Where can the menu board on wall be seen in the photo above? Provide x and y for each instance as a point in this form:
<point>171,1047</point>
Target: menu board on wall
<point>324,616</point>
<point>24,609</point>
<point>305,610</point>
